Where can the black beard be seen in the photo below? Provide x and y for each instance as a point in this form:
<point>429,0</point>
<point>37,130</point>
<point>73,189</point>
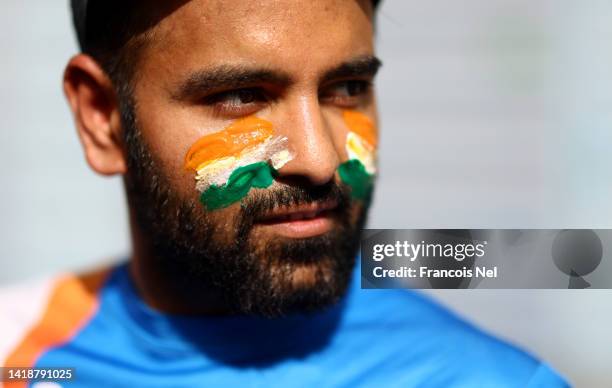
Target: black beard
<point>198,259</point>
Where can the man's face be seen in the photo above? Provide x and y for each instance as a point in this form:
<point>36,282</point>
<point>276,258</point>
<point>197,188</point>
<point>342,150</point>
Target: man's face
<point>302,67</point>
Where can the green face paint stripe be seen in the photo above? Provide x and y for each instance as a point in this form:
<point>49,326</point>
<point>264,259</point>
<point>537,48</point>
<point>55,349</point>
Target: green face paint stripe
<point>258,175</point>
<point>353,173</point>
<point>261,175</point>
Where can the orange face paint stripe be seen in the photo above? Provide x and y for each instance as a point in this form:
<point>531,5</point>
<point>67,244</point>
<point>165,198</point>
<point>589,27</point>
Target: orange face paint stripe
<point>361,125</point>
<point>73,303</point>
<point>231,141</point>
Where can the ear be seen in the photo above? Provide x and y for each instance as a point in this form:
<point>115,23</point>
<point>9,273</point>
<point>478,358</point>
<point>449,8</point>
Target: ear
<point>94,105</point>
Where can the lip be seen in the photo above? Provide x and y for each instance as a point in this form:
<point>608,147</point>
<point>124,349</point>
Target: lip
<point>302,221</point>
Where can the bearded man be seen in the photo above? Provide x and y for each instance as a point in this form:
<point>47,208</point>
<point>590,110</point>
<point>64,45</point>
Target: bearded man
<point>246,134</point>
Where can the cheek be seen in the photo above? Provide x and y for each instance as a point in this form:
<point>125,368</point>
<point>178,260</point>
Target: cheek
<point>361,139</point>
<point>229,163</point>
<point>168,157</point>
<point>360,167</point>
<point>168,133</point>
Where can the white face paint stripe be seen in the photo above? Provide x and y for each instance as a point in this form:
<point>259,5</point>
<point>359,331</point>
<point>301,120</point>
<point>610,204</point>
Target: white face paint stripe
<point>273,149</point>
<point>358,148</point>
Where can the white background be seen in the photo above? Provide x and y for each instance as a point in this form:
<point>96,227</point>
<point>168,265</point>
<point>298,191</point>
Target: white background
<point>495,114</point>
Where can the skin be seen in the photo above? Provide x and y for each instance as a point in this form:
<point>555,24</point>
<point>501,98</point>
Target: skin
<point>300,42</point>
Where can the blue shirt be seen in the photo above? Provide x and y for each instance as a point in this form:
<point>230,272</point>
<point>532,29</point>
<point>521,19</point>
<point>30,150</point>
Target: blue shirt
<point>373,338</point>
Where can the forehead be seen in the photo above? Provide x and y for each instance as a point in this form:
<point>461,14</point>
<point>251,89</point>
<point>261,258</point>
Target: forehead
<point>295,35</point>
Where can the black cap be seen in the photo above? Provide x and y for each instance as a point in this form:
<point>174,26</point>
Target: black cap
<point>79,18</point>
<point>81,8</point>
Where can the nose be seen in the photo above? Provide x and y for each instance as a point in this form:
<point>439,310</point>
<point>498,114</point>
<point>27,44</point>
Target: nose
<point>311,141</point>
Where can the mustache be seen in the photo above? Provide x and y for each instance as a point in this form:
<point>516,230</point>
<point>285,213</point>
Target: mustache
<point>260,203</point>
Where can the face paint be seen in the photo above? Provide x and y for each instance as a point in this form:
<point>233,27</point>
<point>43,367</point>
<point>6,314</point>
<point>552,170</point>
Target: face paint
<point>358,172</point>
<point>229,163</point>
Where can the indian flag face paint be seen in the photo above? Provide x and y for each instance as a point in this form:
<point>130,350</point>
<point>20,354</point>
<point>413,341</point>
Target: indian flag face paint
<point>229,163</point>
<point>358,171</point>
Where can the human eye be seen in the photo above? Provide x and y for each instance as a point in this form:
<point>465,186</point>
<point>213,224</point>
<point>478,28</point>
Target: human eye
<point>349,93</point>
<point>238,102</point>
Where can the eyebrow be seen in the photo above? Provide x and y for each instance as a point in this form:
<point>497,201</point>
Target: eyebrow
<point>363,66</point>
<point>227,77</point>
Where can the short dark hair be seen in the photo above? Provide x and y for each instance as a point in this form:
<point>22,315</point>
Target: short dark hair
<point>111,31</point>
